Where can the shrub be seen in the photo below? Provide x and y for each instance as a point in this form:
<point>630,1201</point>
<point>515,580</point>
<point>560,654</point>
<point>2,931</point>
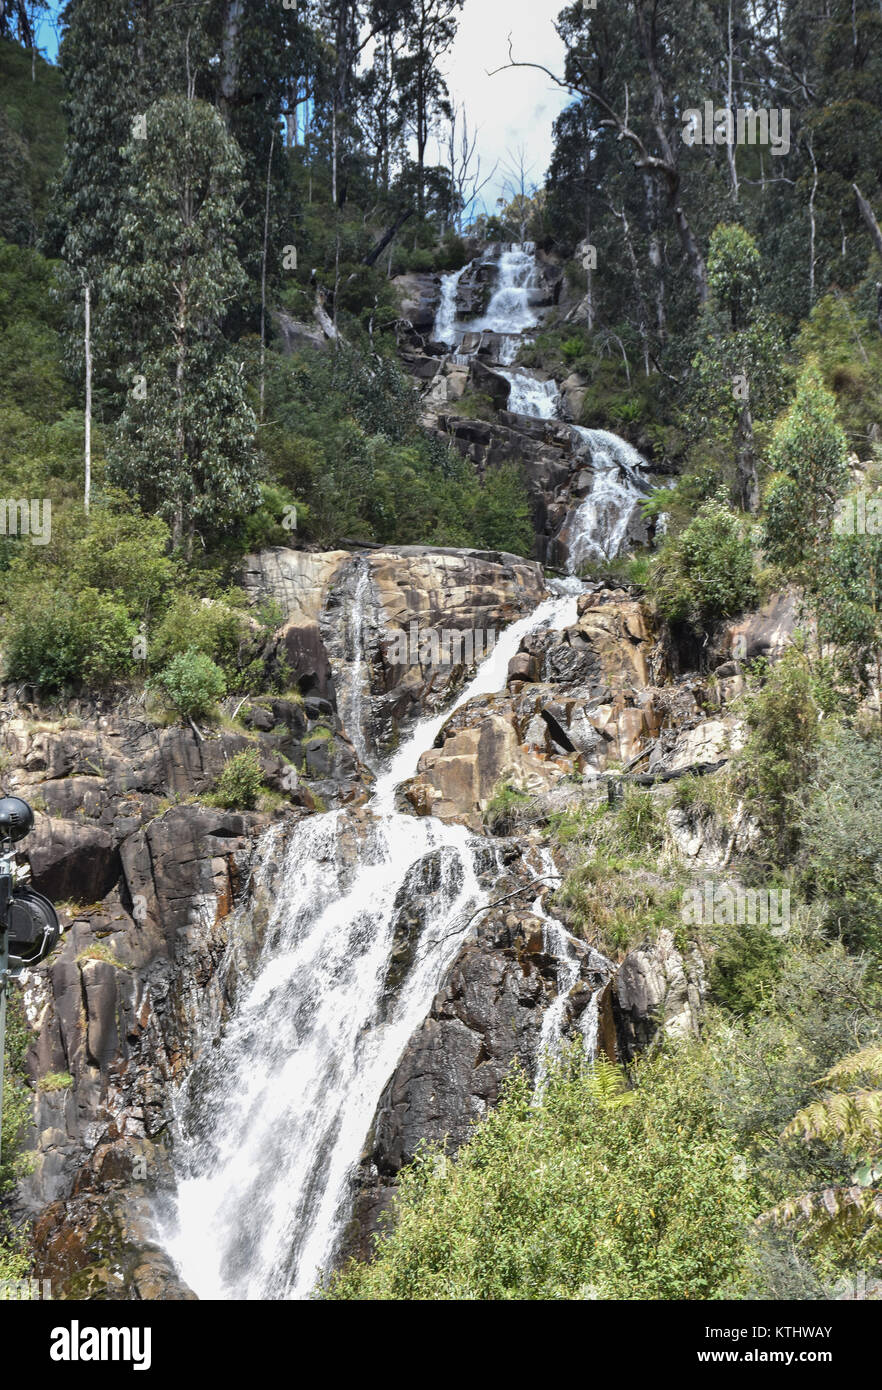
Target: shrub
<point>574,1195</point>
<point>241,782</point>
<point>213,627</point>
<point>745,968</point>
<point>57,638</point>
<point>706,572</point>
<point>193,684</point>
<point>506,809</point>
<point>781,751</point>
<point>841,838</point>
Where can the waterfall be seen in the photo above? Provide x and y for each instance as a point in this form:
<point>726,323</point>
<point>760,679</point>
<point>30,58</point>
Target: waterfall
<point>557,943</point>
<point>508,314</point>
<point>599,528</point>
<point>444,328</point>
<point>562,947</point>
<point>601,525</point>
<point>271,1122</point>
<point>352,694</point>
<point>529,396</point>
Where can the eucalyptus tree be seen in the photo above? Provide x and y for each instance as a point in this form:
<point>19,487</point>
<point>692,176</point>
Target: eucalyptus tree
<point>184,444</point>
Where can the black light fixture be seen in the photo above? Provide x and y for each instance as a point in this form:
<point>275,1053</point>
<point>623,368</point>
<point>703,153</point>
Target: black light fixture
<point>16,819</point>
<point>29,926</point>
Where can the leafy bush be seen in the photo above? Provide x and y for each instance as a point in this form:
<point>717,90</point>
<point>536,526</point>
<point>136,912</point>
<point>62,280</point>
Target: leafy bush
<point>241,782</point>
<point>14,1262</point>
<point>56,638</point>
<point>840,832</point>
<point>745,967</point>
<point>573,1195</point>
<point>505,810</point>
<point>212,627</point>
<point>781,752</point>
<point>705,572</point>
<point>193,684</point>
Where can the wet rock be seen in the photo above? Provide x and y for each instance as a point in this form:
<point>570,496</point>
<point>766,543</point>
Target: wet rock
<point>657,987</point>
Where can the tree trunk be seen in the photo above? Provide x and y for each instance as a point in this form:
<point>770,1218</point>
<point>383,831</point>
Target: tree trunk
<point>266,213</point>
<point>387,237</point>
<point>87,349</point>
<point>746,459</point>
<point>869,217</point>
<point>229,79</point>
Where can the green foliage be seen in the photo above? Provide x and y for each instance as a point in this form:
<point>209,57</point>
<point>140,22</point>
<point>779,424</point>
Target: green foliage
<point>808,454</point>
<point>60,639</point>
<point>845,1220</point>
<point>506,808</point>
<point>73,607</point>
<point>706,572</point>
<point>213,627</point>
<point>783,719</point>
<point>14,1261</point>
<point>345,439</point>
<point>848,593</point>
<point>840,832</point>
<point>55,1081</point>
<point>848,352</point>
<point>640,824</point>
<point>745,967</point>
<point>240,784</point>
<point>192,684</point>
<point>615,903</point>
<point>733,266</point>
<point>31,141</point>
<point>186,448</point>
<point>573,1195</point>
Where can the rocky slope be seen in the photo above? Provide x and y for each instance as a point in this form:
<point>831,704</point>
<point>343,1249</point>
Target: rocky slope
<point>166,899</point>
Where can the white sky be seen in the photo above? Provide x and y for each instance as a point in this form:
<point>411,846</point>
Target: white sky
<point>513,108</point>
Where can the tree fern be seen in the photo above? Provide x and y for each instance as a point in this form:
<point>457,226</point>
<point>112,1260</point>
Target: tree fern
<point>606,1085</point>
<point>844,1215</point>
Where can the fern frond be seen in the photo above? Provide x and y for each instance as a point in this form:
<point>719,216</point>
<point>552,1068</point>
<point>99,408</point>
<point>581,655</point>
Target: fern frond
<point>854,1119</point>
<point>866,1063</point>
<point>606,1085</point>
<point>833,1206</point>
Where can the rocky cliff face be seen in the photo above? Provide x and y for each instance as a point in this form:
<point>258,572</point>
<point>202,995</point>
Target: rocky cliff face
<point>169,897</point>
<point>166,899</point>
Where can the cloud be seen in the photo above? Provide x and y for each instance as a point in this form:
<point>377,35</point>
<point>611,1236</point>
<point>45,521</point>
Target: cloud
<point>515,108</point>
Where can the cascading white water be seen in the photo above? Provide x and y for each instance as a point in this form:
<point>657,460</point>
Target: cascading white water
<point>557,943</point>
<point>444,328</point>
<point>272,1121</point>
<point>562,947</point>
<point>352,694</point>
<point>604,519</point>
<point>530,396</point>
<point>601,525</point>
<point>509,312</point>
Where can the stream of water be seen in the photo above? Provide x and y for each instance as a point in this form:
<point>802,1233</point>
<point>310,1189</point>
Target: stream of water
<point>271,1122</point>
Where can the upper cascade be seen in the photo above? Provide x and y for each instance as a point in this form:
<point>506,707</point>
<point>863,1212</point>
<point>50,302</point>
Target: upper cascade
<point>609,484</point>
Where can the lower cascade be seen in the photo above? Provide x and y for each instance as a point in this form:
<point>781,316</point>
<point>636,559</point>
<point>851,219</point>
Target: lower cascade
<point>273,1118</point>
<point>272,1121</point>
